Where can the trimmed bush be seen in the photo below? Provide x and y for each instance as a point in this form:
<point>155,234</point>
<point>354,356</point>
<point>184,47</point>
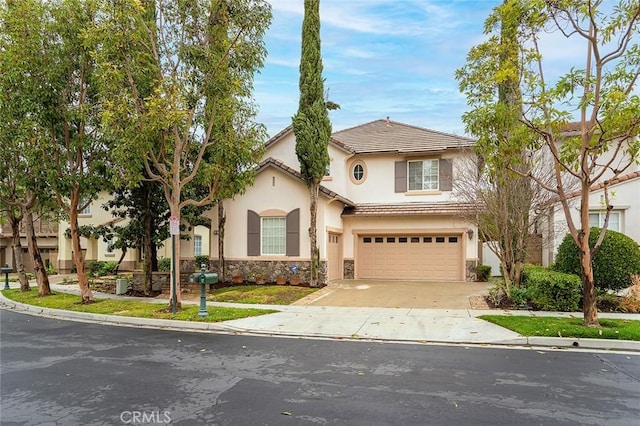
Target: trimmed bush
<point>483,272</point>
<point>551,290</point>
<point>164,264</point>
<point>613,265</point>
<point>99,268</point>
<point>200,260</point>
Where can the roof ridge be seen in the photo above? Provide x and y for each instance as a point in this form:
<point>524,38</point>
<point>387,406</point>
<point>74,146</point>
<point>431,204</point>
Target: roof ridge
<point>356,126</point>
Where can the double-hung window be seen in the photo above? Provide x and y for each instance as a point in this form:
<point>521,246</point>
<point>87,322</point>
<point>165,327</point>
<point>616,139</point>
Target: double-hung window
<point>274,235</point>
<point>85,211</point>
<point>423,175</point>
<point>596,219</point>
<point>197,245</point>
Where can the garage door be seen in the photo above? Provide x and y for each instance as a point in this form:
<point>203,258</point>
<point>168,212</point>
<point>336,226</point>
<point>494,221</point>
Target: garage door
<point>415,257</point>
<point>334,255</point>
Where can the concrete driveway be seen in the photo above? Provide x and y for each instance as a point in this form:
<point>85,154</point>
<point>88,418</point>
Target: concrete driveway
<point>400,294</point>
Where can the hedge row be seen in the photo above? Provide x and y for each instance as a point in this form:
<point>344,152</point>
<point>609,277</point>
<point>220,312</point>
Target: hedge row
<point>548,290</point>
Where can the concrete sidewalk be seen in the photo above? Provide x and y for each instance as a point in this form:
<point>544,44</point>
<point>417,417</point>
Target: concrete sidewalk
<point>410,325</point>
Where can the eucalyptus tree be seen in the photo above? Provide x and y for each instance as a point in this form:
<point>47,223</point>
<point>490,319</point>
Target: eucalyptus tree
<point>23,187</point>
<point>311,123</point>
<point>77,155</point>
<point>600,93</point>
<point>169,71</point>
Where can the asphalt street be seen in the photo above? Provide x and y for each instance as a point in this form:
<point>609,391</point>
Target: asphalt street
<point>69,373</point>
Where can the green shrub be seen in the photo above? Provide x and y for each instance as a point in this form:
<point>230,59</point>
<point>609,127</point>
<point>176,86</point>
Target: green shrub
<point>520,295</point>
<point>613,265</point>
<point>483,272</point>
<point>164,264</point>
<point>51,269</point>
<point>551,290</point>
<point>204,259</point>
<point>529,268</point>
<point>607,302</point>
<point>99,268</point>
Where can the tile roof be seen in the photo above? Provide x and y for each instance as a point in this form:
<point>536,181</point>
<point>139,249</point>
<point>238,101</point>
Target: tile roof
<point>272,162</point>
<point>404,209</point>
<point>390,136</point>
<point>275,138</point>
<point>611,182</point>
<point>284,132</point>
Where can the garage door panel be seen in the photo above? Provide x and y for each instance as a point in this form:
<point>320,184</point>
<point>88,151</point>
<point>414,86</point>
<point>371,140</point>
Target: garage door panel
<point>423,257</point>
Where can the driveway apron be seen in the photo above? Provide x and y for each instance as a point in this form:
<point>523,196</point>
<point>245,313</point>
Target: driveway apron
<point>398,294</point>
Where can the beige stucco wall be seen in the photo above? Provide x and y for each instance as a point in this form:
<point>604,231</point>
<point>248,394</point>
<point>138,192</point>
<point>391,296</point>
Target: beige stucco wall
<point>379,184</point>
<point>272,190</point>
<point>187,246</point>
<point>96,249</point>
<point>284,150</point>
<point>338,179</point>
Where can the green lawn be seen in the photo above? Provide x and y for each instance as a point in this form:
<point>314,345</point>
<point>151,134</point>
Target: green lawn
<point>127,308</point>
<point>567,327</point>
<point>260,294</point>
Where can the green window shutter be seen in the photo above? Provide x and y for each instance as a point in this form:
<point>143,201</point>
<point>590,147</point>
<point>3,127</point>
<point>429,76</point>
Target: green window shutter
<point>401,176</point>
<point>253,233</point>
<point>293,233</point>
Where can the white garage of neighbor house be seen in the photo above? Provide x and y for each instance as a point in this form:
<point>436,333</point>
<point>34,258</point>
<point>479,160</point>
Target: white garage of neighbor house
<point>386,209</point>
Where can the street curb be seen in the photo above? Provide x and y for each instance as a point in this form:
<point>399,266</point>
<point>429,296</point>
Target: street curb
<point>577,343</point>
<point>220,327</point>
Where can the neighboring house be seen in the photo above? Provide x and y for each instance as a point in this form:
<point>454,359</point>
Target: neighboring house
<point>46,237</point>
<point>386,209</point>
<point>624,197</point>
<point>96,249</point>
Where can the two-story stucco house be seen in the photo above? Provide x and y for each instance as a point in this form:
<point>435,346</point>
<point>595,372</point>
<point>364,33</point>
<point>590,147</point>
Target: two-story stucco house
<point>386,208</point>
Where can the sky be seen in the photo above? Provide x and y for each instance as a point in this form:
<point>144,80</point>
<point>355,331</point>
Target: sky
<point>381,58</point>
<point>386,58</point>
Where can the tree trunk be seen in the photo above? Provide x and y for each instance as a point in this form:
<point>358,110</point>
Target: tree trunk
<point>38,265</point>
<point>589,307</point>
<point>123,253</point>
<point>313,235</point>
<point>17,251</point>
<point>222,267</point>
<point>78,256</point>
<point>148,266</point>
<point>147,242</point>
<point>175,263</point>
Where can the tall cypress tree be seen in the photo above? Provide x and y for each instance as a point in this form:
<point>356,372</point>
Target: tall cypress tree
<point>311,124</point>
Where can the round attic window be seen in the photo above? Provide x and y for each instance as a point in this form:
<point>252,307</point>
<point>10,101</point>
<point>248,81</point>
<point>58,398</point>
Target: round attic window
<point>358,172</point>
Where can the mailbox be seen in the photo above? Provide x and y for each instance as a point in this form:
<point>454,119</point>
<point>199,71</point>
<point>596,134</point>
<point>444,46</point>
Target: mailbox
<point>5,270</point>
<point>203,278</point>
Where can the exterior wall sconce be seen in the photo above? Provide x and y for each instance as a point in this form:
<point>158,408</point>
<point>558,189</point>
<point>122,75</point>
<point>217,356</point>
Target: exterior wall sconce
<point>470,234</point>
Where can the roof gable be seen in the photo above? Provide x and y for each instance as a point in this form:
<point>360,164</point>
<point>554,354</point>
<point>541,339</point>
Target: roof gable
<point>390,136</point>
<point>272,162</point>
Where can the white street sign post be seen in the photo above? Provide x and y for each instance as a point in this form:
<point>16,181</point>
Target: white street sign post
<point>174,229</point>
